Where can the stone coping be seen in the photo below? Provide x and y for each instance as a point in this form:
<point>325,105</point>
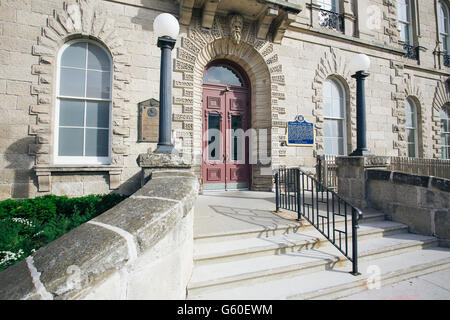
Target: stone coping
<point>409,179</point>
<point>105,244</point>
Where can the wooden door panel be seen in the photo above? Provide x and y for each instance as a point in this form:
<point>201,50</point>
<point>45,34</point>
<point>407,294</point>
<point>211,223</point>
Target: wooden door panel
<point>237,165</point>
<point>225,109</point>
<point>214,148</point>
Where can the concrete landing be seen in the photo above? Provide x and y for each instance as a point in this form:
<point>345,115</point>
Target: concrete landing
<point>227,212</point>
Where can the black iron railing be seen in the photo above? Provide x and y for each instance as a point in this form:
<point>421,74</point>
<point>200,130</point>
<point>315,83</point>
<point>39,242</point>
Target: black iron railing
<point>411,52</point>
<point>331,215</point>
<point>331,20</point>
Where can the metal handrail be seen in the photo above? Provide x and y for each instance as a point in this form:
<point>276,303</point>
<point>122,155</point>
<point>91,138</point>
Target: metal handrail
<point>291,186</point>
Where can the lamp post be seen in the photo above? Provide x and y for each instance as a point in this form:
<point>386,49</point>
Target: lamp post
<point>359,64</point>
<point>166,28</point>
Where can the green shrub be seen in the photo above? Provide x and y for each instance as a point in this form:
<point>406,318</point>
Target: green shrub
<point>26,225</point>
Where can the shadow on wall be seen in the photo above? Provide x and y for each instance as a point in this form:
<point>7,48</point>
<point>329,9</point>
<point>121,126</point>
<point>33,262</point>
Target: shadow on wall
<point>145,17</point>
<point>18,172</point>
<point>130,186</point>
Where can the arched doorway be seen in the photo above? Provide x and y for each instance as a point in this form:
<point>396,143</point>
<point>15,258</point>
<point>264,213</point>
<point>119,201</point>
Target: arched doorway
<point>226,119</point>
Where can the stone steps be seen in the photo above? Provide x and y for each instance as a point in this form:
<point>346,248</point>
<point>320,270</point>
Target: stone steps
<point>247,265</point>
<point>207,253</point>
<point>337,282</point>
<point>274,229</point>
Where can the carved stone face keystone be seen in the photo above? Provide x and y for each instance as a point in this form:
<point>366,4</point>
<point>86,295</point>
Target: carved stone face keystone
<point>236,24</point>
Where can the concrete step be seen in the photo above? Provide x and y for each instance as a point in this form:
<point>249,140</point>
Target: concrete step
<point>240,272</point>
<point>279,227</point>
<point>333,281</point>
<point>303,239</point>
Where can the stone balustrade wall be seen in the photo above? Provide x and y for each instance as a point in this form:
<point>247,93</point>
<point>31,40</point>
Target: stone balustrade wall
<point>140,249</point>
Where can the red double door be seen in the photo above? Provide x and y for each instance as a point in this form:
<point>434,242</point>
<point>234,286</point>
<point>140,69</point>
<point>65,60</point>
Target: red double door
<point>225,146</point>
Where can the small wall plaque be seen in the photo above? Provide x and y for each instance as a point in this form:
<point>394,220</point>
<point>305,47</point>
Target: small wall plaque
<point>300,132</point>
<point>148,126</point>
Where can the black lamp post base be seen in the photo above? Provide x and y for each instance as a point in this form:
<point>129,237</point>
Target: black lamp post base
<point>164,148</point>
<point>360,153</point>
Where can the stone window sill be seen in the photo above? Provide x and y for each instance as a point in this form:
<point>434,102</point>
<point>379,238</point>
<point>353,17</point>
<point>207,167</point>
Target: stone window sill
<point>44,174</point>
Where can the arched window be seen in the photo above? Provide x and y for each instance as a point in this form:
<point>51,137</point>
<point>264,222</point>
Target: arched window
<point>83,111</point>
<point>411,128</point>
<point>334,111</point>
<point>445,131</point>
<point>443,17</point>
<point>223,74</point>
<point>404,20</point>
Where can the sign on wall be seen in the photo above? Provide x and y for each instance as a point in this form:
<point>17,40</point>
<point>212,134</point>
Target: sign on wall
<point>148,128</point>
<point>300,132</point>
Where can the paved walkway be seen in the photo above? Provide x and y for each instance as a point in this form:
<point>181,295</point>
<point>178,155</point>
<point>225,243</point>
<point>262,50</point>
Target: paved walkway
<point>433,286</point>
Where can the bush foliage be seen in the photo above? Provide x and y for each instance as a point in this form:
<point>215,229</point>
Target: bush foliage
<point>26,225</point>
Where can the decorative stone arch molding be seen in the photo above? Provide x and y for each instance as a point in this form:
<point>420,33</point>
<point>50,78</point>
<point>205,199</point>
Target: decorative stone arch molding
<point>79,19</point>
<point>412,90</point>
<point>333,65</point>
<point>441,97</point>
<point>258,59</point>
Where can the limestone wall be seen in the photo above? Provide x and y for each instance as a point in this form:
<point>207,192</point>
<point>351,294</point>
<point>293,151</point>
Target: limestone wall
<point>420,202</point>
<point>286,80</point>
<point>140,249</point>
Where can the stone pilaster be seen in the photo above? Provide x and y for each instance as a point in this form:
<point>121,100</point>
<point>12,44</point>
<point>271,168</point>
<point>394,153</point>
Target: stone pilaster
<point>352,180</point>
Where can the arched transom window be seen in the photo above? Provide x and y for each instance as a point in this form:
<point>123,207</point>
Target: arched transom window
<point>334,111</point>
<point>223,74</point>
<point>83,112</point>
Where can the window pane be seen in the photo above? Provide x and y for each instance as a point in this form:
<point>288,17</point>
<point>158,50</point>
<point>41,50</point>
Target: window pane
<point>97,142</point>
<point>74,55</point>
<point>236,124</point>
<point>444,126</point>
<point>97,58</point>
<point>404,32</point>
<point>411,135</point>
<point>403,10</point>
<point>328,146</point>
<point>214,144</point>
<point>333,128</point>
<point>97,114</point>
<point>71,113</point>
<point>70,142</point>
<point>72,82</point>
<point>223,75</point>
<point>411,150</point>
<point>98,84</point>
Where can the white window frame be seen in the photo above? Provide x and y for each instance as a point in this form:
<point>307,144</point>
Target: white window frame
<point>81,160</point>
<point>446,106</point>
<point>334,3</point>
<point>407,22</point>
<point>443,33</point>
<point>343,120</point>
<point>413,108</point>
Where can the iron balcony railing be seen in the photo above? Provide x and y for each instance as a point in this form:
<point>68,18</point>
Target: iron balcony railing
<point>331,20</point>
<point>411,52</point>
<point>331,215</point>
<point>420,166</point>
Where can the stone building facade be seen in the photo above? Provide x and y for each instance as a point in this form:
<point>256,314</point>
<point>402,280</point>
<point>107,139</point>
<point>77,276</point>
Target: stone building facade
<point>288,50</point>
